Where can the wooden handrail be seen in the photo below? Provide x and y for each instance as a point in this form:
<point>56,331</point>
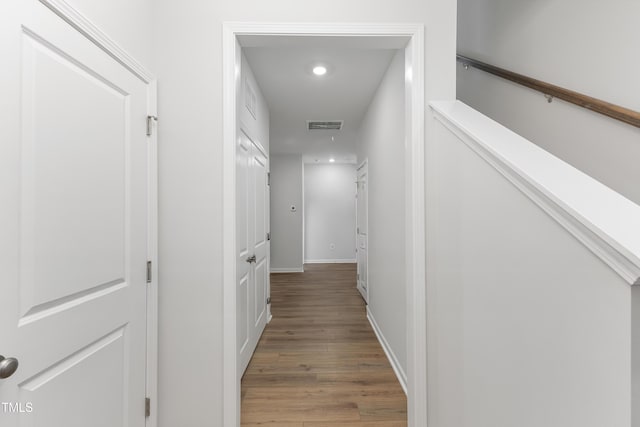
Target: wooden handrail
<point>611,110</point>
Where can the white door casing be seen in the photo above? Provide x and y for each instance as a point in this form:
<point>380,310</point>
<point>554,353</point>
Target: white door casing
<point>362,230</point>
<point>264,32</point>
<point>252,268</point>
<point>77,208</point>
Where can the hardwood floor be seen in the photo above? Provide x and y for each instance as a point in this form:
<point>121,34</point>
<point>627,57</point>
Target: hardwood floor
<point>319,363</point>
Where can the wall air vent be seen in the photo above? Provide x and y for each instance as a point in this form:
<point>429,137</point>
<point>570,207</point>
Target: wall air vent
<point>324,125</point>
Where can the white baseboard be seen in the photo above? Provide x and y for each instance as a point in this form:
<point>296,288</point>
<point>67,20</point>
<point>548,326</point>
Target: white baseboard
<point>286,270</point>
<point>329,261</point>
<point>402,377</point>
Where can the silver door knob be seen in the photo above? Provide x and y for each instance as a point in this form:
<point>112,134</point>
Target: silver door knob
<point>251,259</point>
<point>8,367</point>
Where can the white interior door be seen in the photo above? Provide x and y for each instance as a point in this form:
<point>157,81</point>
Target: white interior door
<point>260,244</point>
<point>362,231</point>
<point>74,227</point>
<point>252,270</point>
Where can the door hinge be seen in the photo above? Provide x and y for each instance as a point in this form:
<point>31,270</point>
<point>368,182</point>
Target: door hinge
<point>150,120</point>
<point>149,268</point>
<point>268,236</point>
<point>269,178</point>
<point>147,407</point>
<point>358,230</point>
<point>268,300</point>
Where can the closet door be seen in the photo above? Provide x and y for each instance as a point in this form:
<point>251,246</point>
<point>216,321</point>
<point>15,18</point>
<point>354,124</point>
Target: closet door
<point>244,248</point>
<point>362,231</point>
<point>252,269</point>
<point>74,187</point>
<point>260,243</point>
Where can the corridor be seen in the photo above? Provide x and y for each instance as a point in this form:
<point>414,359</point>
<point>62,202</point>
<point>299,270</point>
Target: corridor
<point>318,363</point>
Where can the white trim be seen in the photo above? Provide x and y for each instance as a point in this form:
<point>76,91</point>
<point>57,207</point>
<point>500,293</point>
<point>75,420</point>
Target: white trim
<point>231,376</point>
<point>152,254</point>
<point>612,234</point>
<point>323,28</point>
<point>415,200</point>
<point>415,231</point>
<point>80,22</point>
<point>93,33</point>
<point>330,261</point>
<point>395,364</point>
<point>287,270</point>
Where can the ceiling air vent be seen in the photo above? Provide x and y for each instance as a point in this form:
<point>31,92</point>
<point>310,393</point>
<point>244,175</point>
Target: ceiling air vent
<point>330,125</point>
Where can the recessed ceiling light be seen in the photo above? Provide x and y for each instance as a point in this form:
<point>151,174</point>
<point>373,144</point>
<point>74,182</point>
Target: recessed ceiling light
<point>319,70</point>
<point>331,160</point>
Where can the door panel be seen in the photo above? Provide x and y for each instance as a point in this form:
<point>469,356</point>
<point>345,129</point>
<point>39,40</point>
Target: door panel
<point>261,297</point>
<point>74,307</point>
<point>242,201</point>
<point>59,210</point>
<point>68,381</point>
<point>260,180</point>
<point>243,317</point>
<point>260,242</point>
<point>244,230</point>
<point>252,197</point>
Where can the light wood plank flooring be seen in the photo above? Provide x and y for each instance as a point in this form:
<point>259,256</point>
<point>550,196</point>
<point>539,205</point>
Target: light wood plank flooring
<point>318,363</point>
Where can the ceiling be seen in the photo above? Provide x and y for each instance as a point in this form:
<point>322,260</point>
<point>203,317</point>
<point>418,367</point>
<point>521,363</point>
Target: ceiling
<point>294,95</point>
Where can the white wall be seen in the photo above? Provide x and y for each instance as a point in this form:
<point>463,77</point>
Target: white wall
<point>329,212</point>
<point>527,326</point>
<point>128,22</point>
<point>188,57</point>
<point>287,184</point>
<point>581,45</point>
<point>381,142</point>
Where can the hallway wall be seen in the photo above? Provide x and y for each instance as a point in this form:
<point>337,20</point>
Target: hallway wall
<point>287,184</point>
<point>529,324</point>
<point>188,62</point>
<point>128,22</point>
<point>581,45</point>
<point>381,141</point>
<point>329,212</point>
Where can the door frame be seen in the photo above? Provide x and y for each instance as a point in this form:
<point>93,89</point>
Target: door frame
<point>415,239</point>
<point>364,164</point>
<point>98,37</point>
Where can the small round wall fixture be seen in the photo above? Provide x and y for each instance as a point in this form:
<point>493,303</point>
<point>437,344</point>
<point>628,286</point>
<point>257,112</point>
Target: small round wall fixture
<point>319,70</point>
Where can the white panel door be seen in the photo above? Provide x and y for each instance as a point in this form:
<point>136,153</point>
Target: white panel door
<point>260,243</point>
<point>73,218</point>
<point>252,267</point>
<point>244,232</point>
<point>362,231</point>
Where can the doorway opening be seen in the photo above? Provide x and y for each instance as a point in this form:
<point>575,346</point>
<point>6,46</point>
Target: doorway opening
<point>409,38</point>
